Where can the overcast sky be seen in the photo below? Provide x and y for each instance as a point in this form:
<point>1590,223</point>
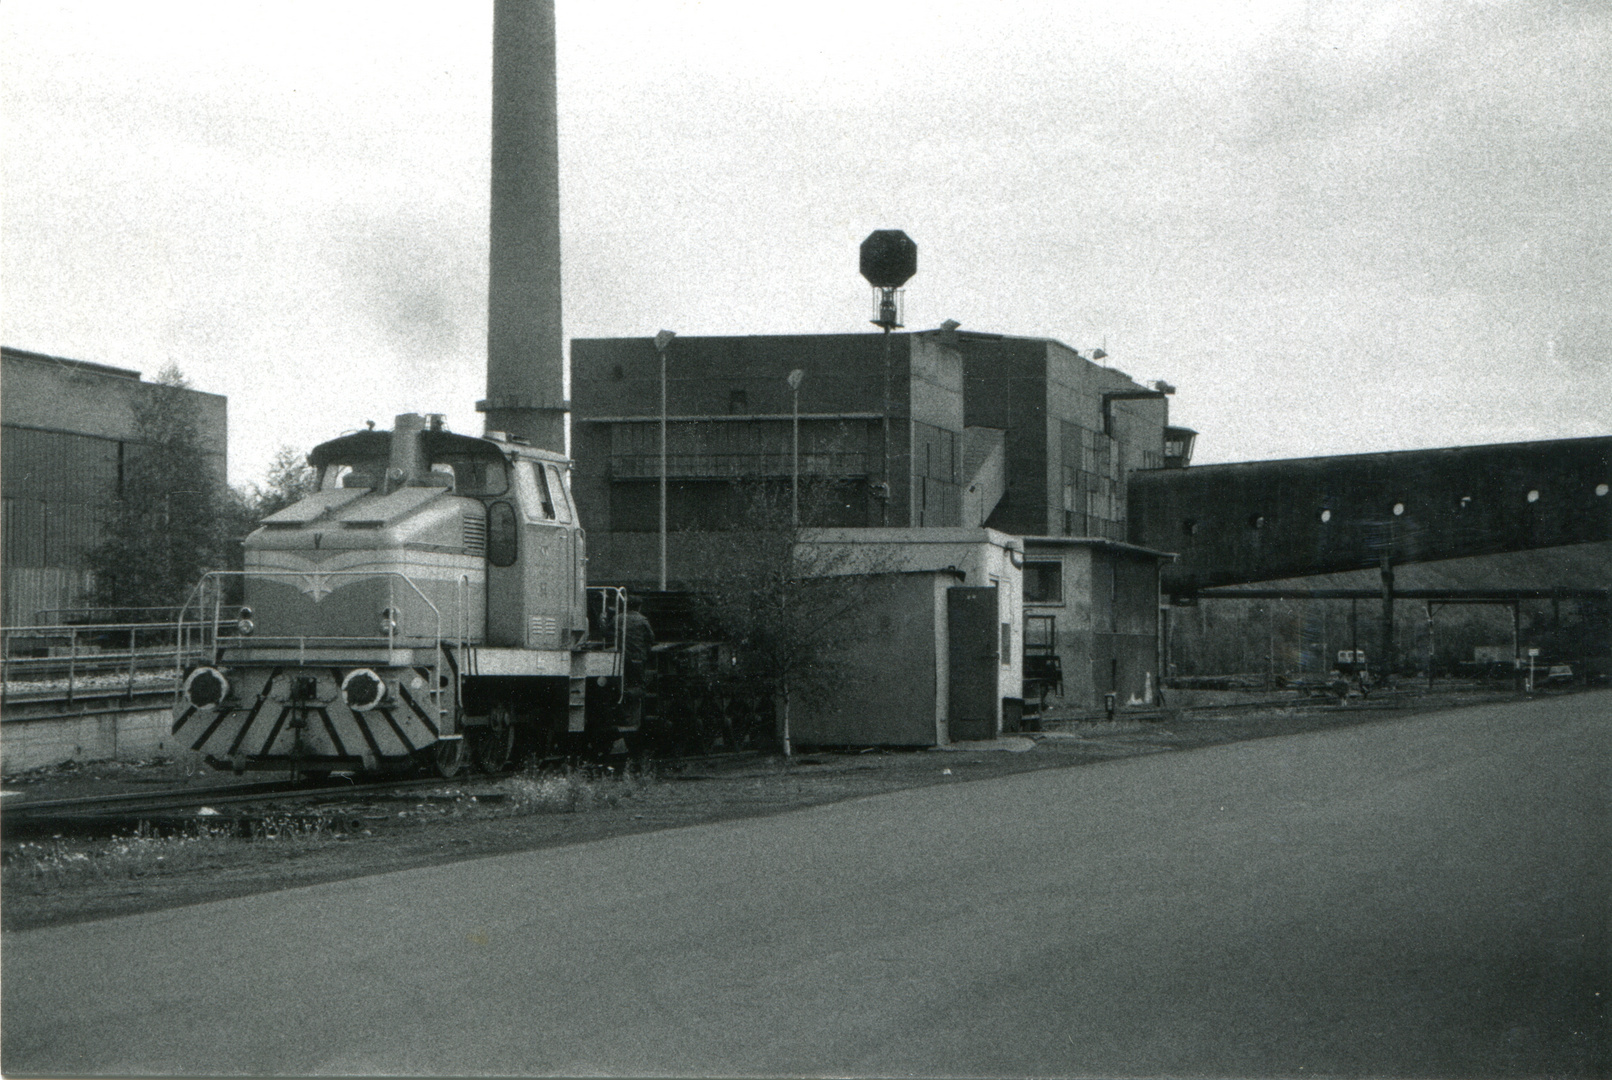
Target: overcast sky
<point>1335,227</point>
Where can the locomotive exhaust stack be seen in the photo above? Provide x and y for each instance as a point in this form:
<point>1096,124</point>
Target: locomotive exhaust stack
<point>404,469</point>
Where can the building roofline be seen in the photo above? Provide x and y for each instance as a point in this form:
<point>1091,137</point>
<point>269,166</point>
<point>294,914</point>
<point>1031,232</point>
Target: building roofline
<point>910,535</point>
<point>10,353</point>
<point>964,335</point>
<point>1198,470</point>
<point>654,418</point>
<point>1094,541</point>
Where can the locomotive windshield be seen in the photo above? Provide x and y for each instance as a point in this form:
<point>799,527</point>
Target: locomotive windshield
<point>467,476</point>
<point>468,465</point>
<point>476,476</point>
<point>344,474</point>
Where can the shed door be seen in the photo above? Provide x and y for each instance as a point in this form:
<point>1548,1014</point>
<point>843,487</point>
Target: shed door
<point>974,653</point>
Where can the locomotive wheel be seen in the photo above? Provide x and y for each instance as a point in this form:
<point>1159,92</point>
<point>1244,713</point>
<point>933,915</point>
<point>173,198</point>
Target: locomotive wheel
<point>494,744</point>
<point>447,757</point>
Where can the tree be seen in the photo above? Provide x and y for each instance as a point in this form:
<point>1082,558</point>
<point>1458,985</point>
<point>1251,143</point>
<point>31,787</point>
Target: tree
<point>175,517</point>
<point>290,478</point>
<point>792,610</point>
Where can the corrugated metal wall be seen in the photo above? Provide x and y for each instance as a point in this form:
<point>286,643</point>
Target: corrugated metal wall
<point>56,466</point>
<point>57,488</point>
<point>28,591</point>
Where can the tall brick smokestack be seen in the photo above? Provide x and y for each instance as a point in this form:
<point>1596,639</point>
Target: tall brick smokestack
<point>525,374</point>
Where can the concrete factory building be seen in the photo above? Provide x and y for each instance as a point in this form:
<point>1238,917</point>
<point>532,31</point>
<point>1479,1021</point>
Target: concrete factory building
<point>68,438</point>
<point>986,435</point>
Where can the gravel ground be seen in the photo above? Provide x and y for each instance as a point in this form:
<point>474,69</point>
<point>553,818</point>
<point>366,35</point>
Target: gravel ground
<point>204,857</point>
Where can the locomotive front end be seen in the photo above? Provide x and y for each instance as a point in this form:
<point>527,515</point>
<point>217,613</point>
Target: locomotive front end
<point>353,607</point>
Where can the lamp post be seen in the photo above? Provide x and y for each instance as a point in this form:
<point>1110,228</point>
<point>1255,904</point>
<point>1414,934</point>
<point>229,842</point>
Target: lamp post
<point>663,339</point>
<point>795,378</point>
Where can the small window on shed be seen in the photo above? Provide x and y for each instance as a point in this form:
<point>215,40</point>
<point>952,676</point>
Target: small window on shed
<point>1043,582</point>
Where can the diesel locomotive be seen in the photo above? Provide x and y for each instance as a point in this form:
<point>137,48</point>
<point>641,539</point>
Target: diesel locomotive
<point>426,605</point>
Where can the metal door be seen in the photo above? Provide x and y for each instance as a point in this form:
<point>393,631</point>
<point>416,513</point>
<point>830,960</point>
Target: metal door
<point>973,655</point>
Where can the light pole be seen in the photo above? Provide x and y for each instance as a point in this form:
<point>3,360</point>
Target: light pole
<point>795,378</point>
<point>663,339</point>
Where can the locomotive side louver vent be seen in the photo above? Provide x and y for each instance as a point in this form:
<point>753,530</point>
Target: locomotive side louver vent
<point>544,628</point>
<point>474,532</point>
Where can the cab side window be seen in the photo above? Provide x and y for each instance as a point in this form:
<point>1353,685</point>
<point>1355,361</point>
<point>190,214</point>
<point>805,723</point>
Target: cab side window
<point>544,495</point>
<point>562,498</point>
<point>536,498</point>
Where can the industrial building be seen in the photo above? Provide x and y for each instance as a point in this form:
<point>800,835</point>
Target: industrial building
<point>68,436</point>
<point>920,440</point>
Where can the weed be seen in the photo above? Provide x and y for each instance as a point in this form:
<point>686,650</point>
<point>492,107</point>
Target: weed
<point>147,851</point>
<point>572,791</point>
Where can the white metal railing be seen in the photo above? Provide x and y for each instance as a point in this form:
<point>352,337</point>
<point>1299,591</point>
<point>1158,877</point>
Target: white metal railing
<point>613,625</point>
<point>203,638</point>
<point>55,660</point>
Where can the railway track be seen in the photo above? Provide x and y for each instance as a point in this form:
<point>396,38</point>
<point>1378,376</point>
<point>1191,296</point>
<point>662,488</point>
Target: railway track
<point>128,805</point>
<point>135,805</point>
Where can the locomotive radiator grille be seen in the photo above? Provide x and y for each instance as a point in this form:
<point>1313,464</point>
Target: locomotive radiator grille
<point>474,532</point>
<point>543,630</point>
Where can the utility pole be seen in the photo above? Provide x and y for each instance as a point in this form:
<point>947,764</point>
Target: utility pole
<point>1387,569</point>
<point>662,340</point>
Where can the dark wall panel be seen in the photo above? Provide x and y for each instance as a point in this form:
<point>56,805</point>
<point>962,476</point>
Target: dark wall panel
<point>1260,521</point>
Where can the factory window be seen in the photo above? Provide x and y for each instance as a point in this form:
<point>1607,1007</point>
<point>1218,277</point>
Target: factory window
<point>1399,508</point>
<point>1466,502</point>
<point>1600,489</point>
<point>1043,582</point>
<point>1256,521</point>
<point>502,535</point>
<point>1533,496</point>
<point>1326,516</point>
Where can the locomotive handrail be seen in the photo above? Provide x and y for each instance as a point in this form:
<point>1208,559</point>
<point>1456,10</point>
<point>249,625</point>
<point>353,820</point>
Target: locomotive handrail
<point>612,612</point>
<point>209,637</point>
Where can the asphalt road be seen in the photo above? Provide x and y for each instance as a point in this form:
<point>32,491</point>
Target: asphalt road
<point>1420,897</point>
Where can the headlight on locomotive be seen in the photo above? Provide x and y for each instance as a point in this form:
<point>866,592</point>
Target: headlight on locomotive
<point>206,686</point>
<point>243,622</point>
<point>363,690</point>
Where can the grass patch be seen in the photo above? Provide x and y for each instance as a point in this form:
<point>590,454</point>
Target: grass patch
<point>148,852</point>
<point>573,791</point>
